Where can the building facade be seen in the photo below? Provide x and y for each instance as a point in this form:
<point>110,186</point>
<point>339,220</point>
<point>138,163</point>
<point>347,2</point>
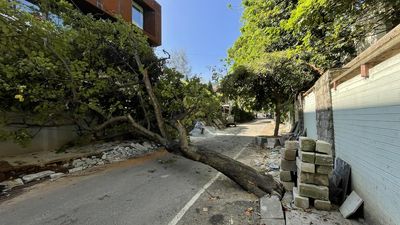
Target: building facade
<point>146,14</point>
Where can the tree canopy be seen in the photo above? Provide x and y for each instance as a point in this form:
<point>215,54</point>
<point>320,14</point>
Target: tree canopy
<point>286,45</point>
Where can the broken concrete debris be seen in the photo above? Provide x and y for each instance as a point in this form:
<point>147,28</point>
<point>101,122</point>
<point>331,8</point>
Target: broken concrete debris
<point>119,152</point>
<point>37,176</point>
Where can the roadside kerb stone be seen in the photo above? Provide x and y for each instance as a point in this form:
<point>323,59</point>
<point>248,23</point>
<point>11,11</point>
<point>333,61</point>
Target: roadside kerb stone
<point>300,201</point>
<point>285,175</point>
<point>323,147</point>
<point>272,221</point>
<point>287,165</point>
<point>305,167</point>
<point>307,144</point>
<point>308,157</point>
<point>292,145</point>
<point>314,191</point>
<point>289,154</point>
<point>324,169</point>
<point>322,205</point>
<point>37,176</point>
<point>312,178</point>
<point>323,160</point>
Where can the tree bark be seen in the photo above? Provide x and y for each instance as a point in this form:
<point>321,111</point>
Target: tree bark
<point>278,112</point>
<point>245,176</point>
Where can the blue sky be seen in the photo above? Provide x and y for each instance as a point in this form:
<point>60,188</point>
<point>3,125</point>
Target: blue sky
<point>204,29</point>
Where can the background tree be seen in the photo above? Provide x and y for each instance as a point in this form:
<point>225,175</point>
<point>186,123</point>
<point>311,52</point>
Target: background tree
<point>179,61</point>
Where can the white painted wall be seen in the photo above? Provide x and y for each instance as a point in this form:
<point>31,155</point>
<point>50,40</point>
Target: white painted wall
<point>310,122</point>
<point>366,115</point>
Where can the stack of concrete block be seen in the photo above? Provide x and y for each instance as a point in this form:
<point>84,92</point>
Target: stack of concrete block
<point>314,165</point>
<point>288,164</point>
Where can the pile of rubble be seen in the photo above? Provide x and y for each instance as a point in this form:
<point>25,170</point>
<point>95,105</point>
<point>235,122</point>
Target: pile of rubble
<point>115,153</point>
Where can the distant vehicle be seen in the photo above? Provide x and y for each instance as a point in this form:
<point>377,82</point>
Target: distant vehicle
<point>227,115</point>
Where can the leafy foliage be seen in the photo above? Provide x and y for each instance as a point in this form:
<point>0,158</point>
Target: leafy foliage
<point>83,71</point>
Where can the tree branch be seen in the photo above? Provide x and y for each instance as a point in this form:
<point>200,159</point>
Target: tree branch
<point>153,98</point>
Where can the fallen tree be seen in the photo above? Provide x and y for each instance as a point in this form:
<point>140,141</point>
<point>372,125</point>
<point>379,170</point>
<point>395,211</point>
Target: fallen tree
<point>102,75</point>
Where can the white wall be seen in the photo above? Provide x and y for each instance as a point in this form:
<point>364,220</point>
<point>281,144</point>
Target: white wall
<point>310,122</point>
<point>366,115</point>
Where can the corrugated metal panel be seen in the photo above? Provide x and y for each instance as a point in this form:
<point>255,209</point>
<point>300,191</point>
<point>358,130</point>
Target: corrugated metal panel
<point>310,122</point>
<point>366,116</point>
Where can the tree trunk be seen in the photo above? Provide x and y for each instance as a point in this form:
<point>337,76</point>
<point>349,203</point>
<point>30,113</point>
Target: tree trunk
<point>278,113</point>
<point>247,177</point>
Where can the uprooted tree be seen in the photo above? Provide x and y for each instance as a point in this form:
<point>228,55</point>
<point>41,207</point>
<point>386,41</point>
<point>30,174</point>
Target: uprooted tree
<point>102,76</point>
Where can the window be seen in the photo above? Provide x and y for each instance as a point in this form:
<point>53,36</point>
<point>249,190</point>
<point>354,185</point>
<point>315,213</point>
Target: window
<point>34,9</point>
<point>137,15</point>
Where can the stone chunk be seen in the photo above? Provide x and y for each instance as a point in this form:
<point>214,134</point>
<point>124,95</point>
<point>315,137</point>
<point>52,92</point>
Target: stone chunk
<point>288,185</point>
<point>323,147</point>
<point>56,176</point>
<point>323,160</point>
<point>308,157</point>
<point>292,145</point>
<point>73,170</point>
<point>350,205</point>
<point>285,176</point>
<point>324,169</point>
<point>288,165</point>
<point>305,167</point>
<point>10,184</point>
<point>314,191</point>
<point>271,208</point>
<point>307,144</point>
<point>299,201</point>
<point>36,176</point>
<point>312,178</point>
<point>322,205</point>
<point>289,154</point>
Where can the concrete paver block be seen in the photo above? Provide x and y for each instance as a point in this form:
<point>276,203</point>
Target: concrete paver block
<point>305,167</point>
<point>323,147</point>
<point>322,205</point>
<point>350,205</point>
<point>272,222</point>
<point>307,144</point>
<point>271,208</point>
<point>292,145</point>
<point>308,157</point>
<point>300,201</point>
<point>289,154</point>
<point>314,191</point>
<point>323,160</point>
<point>313,178</point>
<point>288,165</point>
<point>285,175</point>
<point>324,169</point>
<point>288,185</point>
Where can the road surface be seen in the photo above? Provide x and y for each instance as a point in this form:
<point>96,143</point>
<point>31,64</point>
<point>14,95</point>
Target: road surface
<point>158,189</point>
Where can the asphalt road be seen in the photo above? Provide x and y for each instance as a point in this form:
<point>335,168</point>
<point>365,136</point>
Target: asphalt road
<point>152,190</point>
